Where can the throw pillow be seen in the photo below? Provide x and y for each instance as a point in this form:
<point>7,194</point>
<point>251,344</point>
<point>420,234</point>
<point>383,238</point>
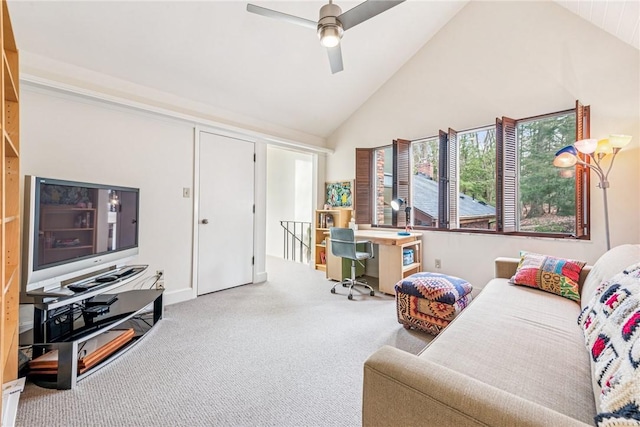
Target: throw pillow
<point>556,275</point>
<point>611,326</point>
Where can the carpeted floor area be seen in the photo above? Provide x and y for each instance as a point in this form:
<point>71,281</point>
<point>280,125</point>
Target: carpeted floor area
<point>282,353</point>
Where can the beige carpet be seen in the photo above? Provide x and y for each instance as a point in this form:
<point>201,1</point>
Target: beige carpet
<point>283,353</point>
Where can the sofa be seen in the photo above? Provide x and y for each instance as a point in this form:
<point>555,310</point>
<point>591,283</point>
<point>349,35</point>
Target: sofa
<point>516,356</point>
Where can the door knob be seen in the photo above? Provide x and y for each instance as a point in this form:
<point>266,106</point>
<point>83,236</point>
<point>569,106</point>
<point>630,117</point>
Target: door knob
<point>205,221</point>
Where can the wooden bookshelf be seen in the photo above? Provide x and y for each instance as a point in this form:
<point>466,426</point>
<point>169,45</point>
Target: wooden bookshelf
<point>324,219</point>
<point>10,216</point>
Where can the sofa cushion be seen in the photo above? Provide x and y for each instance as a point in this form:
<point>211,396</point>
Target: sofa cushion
<point>607,266</point>
<point>611,325</point>
<point>522,341</point>
<point>556,275</point>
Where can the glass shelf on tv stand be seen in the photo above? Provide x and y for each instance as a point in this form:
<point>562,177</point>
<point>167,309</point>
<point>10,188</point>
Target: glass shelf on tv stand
<point>136,309</point>
<point>59,297</point>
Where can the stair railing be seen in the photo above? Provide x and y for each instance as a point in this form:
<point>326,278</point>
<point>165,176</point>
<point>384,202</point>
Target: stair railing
<point>297,241</point>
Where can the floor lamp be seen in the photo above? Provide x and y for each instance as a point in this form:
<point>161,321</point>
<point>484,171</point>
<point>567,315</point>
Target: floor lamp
<point>597,151</point>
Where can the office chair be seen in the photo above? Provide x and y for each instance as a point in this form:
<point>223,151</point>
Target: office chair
<point>343,245</point>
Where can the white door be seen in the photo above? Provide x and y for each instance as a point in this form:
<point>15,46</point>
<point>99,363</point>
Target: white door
<point>226,213</point>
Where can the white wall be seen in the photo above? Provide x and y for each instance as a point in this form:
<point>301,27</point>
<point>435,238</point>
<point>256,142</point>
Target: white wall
<point>517,59</point>
<point>70,138</point>
<point>289,196</point>
<point>76,137</point>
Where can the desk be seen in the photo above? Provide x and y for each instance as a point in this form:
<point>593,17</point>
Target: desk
<point>390,247</point>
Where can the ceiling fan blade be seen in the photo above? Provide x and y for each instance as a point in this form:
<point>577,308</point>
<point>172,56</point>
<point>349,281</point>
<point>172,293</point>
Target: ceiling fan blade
<point>335,59</point>
<point>281,16</point>
<point>364,11</point>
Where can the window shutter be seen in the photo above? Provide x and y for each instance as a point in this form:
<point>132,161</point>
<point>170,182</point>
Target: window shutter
<point>582,174</point>
<point>363,195</point>
<point>499,173</point>
<point>452,172</point>
<point>509,176</point>
<point>401,162</point>
<point>443,182</point>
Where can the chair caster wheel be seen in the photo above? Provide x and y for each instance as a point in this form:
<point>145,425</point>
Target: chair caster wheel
<point>333,290</point>
<point>372,293</point>
<point>350,297</point>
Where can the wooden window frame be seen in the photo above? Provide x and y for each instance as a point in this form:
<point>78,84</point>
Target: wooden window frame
<point>507,181</point>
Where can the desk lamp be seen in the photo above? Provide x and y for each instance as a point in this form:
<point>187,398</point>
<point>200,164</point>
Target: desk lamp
<point>395,205</point>
<point>597,151</point>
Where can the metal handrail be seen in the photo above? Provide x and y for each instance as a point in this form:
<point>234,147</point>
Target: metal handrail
<point>295,246</point>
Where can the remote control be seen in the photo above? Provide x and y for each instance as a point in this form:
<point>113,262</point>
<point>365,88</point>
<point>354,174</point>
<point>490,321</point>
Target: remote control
<point>78,288</point>
<point>106,279</point>
<point>126,273</point>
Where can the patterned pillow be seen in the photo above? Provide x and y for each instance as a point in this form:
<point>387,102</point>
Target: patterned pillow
<point>556,275</point>
<point>611,326</point>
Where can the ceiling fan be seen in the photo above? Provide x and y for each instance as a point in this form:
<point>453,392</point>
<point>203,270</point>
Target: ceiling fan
<point>332,23</point>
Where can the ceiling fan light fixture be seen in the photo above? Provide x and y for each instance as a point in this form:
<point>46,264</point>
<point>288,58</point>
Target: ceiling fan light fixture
<point>329,28</point>
<point>330,35</point>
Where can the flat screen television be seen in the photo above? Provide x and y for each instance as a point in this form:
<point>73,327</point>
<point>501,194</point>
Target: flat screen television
<point>72,229</point>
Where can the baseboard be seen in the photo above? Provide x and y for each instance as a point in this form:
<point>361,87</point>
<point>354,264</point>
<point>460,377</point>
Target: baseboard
<point>174,297</point>
<point>260,277</point>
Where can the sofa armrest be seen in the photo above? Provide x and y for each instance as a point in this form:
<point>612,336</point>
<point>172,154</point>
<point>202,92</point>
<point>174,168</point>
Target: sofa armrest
<point>505,268</point>
<point>401,389</point>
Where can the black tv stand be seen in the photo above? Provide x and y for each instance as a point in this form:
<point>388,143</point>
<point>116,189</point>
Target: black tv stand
<point>67,323</point>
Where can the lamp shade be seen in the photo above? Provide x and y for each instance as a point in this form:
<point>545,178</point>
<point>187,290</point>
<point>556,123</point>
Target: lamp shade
<point>565,157</point>
<point>604,147</point>
<point>396,203</point>
<point>586,146</point>
<point>619,141</point>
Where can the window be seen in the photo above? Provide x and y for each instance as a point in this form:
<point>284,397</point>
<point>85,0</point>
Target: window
<point>494,178</point>
<point>424,176</point>
<point>383,185</point>
<point>382,175</point>
<point>546,196</point>
<point>532,195</point>
<point>477,183</point>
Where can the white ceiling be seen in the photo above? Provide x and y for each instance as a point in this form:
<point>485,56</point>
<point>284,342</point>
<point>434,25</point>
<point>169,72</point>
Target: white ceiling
<point>217,53</point>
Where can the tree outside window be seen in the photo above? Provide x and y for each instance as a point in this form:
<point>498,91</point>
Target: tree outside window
<point>546,194</point>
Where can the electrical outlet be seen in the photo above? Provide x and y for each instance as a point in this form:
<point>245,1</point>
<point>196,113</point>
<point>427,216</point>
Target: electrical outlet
<point>160,281</point>
<point>438,263</point>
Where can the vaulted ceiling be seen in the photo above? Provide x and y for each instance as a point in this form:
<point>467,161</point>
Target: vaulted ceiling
<point>218,54</point>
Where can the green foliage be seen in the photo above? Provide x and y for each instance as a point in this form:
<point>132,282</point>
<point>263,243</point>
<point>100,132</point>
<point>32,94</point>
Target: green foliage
<point>545,196</point>
<point>478,164</point>
<point>426,153</point>
<point>542,189</point>
<point>550,228</point>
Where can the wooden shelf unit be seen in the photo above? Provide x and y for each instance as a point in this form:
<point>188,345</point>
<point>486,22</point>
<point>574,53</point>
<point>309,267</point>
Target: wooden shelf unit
<point>392,267</point>
<point>338,218</point>
<point>10,216</point>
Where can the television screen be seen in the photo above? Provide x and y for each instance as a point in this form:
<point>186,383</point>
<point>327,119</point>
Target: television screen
<point>76,221</point>
<point>73,230</point>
